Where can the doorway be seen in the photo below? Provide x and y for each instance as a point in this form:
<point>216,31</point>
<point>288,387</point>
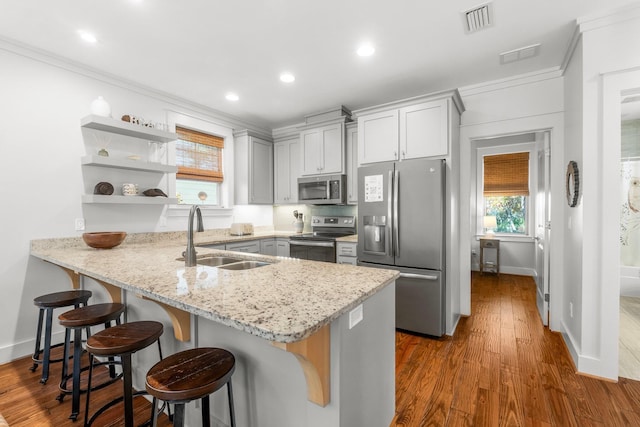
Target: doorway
<point>552,123</point>
<point>521,209</point>
<point>628,346</point>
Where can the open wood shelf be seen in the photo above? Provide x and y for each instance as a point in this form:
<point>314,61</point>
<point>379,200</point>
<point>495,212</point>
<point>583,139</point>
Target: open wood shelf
<point>128,200</point>
<point>120,127</point>
<point>110,162</point>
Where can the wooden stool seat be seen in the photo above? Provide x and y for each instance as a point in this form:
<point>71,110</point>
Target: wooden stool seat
<point>189,375</point>
<point>125,338</point>
<point>62,299</point>
<point>122,341</point>
<point>76,320</point>
<point>91,315</point>
<point>46,304</point>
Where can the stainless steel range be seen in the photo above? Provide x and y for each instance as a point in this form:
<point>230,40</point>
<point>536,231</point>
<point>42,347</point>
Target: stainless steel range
<point>320,244</point>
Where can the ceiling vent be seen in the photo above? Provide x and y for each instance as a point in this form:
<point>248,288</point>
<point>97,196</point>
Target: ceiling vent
<point>520,53</point>
<point>477,18</point>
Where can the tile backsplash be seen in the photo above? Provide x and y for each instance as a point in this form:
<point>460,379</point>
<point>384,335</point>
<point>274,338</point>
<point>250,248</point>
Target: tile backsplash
<point>283,219</point>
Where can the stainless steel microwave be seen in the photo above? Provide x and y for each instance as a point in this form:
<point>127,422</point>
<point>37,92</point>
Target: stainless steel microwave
<point>322,190</point>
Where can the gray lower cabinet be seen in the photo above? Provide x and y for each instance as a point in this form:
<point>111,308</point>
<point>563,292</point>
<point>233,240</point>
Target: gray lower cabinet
<point>346,253</point>
<point>219,246</point>
<point>268,247</point>
<point>282,247</point>
<point>250,246</point>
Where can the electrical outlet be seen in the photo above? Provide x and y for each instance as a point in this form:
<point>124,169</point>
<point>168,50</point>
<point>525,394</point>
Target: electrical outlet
<point>571,310</point>
<point>79,224</point>
<point>474,252</point>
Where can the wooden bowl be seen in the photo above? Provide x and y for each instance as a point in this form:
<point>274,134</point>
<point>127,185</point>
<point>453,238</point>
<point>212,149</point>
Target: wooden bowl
<point>104,239</point>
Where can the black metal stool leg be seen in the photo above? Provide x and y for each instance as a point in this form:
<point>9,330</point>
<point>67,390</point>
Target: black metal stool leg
<point>154,412</point>
<point>65,362</point>
<point>111,359</point>
<point>77,355</point>
<point>178,415</point>
<point>47,347</point>
<point>128,390</point>
<point>232,414</point>
<point>206,418</point>
<point>86,405</point>
<point>36,352</point>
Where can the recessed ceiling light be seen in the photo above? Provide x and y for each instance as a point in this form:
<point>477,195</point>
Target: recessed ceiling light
<point>287,77</point>
<point>87,36</point>
<point>366,50</point>
<point>232,96</point>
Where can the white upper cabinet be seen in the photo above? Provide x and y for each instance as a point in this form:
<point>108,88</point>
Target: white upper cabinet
<point>378,137</point>
<point>322,150</point>
<point>253,169</point>
<point>287,169</point>
<point>423,130</point>
<point>408,129</point>
<point>352,163</point>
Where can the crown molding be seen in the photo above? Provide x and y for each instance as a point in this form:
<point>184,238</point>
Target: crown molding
<point>517,80</point>
<point>40,55</point>
<point>609,17</point>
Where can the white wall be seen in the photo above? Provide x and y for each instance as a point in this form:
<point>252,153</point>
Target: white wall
<point>610,45</point>
<point>573,217</point>
<point>41,103</point>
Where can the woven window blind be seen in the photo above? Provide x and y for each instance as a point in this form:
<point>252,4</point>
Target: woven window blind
<point>506,175</point>
<point>199,155</point>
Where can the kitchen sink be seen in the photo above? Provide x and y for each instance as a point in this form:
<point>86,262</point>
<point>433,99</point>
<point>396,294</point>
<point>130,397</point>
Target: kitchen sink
<point>216,261</point>
<point>244,265</point>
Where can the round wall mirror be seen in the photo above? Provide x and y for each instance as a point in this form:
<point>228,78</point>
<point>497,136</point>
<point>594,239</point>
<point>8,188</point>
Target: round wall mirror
<point>573,183</point>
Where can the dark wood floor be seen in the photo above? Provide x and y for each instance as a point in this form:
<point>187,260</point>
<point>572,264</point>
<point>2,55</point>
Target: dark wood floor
<point>503,368</point>
<point>25,402</point>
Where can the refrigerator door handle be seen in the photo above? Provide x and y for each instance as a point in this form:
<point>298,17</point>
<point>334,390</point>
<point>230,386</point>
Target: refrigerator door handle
<point>418,276</point>
<point>390,216</point>
<point>396,233</point>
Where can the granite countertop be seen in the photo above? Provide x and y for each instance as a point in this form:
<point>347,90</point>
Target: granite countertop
<point>285,301</point>
<point>348,239</point>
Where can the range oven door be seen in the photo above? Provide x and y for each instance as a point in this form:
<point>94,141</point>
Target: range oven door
<point>312,250</point>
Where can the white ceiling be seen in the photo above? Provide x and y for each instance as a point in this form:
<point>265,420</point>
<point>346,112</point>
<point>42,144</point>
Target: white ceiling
<point>201,49</point>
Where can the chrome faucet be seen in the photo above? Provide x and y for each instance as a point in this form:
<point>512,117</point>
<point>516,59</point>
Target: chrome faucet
<point>190,254</point>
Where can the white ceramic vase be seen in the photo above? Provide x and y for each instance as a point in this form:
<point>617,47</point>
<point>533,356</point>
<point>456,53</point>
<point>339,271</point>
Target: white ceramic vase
<point>100,107</point>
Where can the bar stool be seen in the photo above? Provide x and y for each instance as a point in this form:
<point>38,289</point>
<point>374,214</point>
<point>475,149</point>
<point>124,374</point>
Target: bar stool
<point>77,320</point>
<point>122,341</point>
<point>47,303</point>
<point>190,375</point>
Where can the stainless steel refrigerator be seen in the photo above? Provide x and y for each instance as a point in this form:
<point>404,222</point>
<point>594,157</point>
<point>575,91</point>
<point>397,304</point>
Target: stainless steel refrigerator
<point>401,214</point>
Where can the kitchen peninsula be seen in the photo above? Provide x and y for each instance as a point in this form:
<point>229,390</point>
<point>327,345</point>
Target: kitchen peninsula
<point>337,320</point>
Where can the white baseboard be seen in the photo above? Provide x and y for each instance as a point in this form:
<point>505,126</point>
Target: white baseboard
<point>518,271</point>
<point>18,350</point>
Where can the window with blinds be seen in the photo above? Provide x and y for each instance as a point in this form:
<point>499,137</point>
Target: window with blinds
<point>199,161</point>
<point>506,174</point>
<point>506,191</point>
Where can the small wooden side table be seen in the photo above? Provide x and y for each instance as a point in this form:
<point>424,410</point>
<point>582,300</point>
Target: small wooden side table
<point>490,266</point>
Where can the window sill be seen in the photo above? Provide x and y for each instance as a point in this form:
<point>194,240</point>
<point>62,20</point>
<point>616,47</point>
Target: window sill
<point>506,238</point>
<point>207,211</point>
